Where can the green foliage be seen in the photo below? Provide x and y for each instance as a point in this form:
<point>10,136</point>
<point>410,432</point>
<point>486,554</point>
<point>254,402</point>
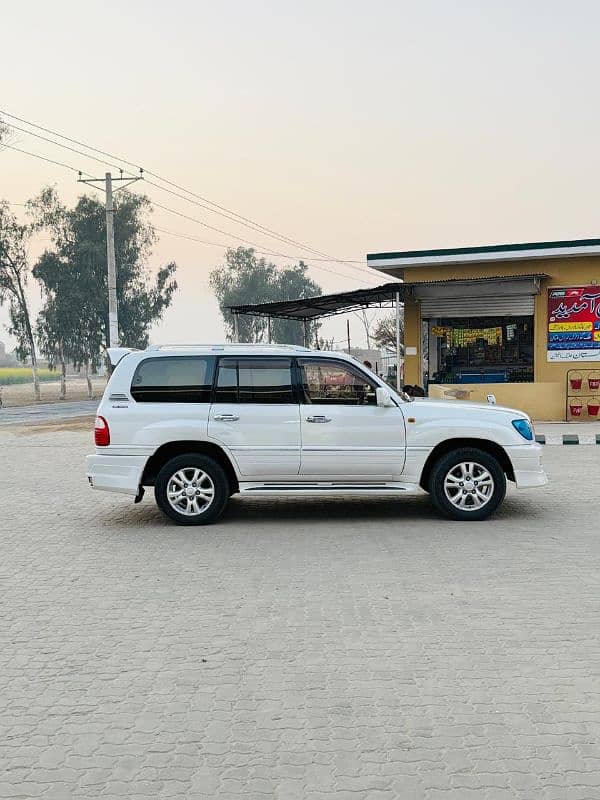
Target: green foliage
<point>244,278</point>
<point>74,319</point>
<point>14,273</point>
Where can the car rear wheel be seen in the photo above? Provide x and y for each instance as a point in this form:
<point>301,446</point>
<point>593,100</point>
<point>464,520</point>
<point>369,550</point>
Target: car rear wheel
<point>467,484</point>
<point>192,489</point>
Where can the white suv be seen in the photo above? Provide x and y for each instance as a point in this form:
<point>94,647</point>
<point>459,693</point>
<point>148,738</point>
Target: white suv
<point>201,423</point>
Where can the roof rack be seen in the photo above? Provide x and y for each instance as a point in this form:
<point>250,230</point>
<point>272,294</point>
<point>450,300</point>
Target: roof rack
<point>233,345</point>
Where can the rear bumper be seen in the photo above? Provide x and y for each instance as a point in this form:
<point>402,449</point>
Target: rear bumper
<point>527,465</point>
<point>121,474</point>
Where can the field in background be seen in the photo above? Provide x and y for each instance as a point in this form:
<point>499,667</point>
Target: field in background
<point>14,375</point>
<point>21,394</point>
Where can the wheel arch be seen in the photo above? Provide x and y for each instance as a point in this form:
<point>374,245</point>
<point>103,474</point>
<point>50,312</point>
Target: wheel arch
<point>449,445</point>
<point>172,449</point>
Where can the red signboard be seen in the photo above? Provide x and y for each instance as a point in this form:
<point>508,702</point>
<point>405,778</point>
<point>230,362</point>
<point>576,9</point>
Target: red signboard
<point>574,324</point>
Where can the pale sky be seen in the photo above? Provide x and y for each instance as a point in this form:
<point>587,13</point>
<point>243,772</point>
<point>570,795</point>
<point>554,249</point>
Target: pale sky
<point>353,127</point>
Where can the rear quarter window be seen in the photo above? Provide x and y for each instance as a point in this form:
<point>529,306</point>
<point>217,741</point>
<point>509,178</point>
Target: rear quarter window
<point>174,379</point>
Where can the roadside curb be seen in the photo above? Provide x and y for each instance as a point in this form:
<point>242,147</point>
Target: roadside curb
<point>568,438</point>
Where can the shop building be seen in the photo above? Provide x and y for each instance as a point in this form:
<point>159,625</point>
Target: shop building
<point>520,322</point>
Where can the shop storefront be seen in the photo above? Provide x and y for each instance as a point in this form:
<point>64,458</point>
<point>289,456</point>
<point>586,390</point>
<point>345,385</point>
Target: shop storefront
<point>521,322</point>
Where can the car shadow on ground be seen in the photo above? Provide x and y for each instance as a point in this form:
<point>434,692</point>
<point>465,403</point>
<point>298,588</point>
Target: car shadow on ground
<point>296,511</point>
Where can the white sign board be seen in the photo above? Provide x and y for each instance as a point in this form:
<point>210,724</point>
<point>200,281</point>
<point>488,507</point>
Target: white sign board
<point>573,355</point>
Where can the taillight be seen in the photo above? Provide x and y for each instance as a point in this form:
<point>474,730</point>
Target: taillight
<point>101,432</point>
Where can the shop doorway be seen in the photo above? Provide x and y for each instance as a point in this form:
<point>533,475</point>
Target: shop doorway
<point>478,350</point>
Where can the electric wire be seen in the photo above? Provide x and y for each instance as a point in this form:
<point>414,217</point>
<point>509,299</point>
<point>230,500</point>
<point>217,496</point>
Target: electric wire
<point>246,241</point>
<point>259,228</point>
<point>225,211</point>
<point>65,146</point>
<point>44,158</point>
<point>266,252</point>
<point>258,247</point>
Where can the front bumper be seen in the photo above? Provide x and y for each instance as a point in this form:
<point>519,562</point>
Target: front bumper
<point>527,465</point>
<point>121,474</point>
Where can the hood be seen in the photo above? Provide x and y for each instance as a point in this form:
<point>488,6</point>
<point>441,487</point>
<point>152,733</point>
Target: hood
<point>464,405</point>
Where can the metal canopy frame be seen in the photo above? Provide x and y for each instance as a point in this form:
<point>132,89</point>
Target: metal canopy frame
<point>388,295</point>
<point>326,305</point>
<point>384,296</point>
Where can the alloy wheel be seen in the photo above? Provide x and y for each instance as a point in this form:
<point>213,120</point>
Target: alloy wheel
<point>190,491</point>
<point>468,486</point>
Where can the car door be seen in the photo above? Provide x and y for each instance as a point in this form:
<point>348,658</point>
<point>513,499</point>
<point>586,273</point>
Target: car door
<point>255,414</point>
<point>345,434</point>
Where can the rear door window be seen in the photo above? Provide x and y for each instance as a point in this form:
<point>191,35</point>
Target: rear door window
<point>174,379</point>
<point>256,380</point>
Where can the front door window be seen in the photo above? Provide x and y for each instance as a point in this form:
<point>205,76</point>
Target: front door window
<point>333,383</point>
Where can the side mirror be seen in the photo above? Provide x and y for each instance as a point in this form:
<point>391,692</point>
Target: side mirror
<point>384,398</point>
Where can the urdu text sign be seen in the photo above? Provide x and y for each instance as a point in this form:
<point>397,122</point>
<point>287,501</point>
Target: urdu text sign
<point>574,324</point>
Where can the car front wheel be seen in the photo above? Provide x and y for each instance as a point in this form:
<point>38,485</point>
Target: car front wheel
<point>192,489</point>
<point>467,484</point>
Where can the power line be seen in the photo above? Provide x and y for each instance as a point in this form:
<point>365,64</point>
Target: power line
<point>43,158</point>
<point>246,241</point>
<point>221,244</point>
<point>258,247</point>
<point>240,219</point>
<point>258,229</point>
<point>192,238</point>
<point>225,246</point>
<point>65,146</point>
<point>185,216</point>
<point>68,139</point>
<point>176,194</point>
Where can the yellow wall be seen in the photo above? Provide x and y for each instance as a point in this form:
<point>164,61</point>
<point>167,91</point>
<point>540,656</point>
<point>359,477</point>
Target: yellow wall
<point>549,377</point>
<point>542,401</point>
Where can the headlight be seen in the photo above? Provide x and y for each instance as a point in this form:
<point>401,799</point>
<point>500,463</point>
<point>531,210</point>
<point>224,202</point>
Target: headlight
<point>523,426</point>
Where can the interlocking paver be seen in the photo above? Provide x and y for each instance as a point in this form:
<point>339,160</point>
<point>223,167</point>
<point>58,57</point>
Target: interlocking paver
<point>357,649</point>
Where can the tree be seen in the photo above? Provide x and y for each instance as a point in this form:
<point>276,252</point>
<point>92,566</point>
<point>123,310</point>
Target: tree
<point>14,273</point>
<point>384,334</point>
<point>291,284</point>
<point>74,320</point>
<point>58,328</point>
<point>245,279</point>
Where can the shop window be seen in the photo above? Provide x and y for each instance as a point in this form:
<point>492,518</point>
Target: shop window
<point>481,350</point>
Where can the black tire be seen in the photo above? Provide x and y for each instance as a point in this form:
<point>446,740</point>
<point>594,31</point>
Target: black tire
<point>449,466</point>
<point>215,484</point>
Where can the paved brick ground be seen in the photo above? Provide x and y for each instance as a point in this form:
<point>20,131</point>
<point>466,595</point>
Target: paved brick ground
<point>357,650</point>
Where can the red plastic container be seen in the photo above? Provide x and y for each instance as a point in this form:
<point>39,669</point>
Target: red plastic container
<point>575,410</point>
<point>593,409</point>
<point>575,383</point>
<point>594,383</point>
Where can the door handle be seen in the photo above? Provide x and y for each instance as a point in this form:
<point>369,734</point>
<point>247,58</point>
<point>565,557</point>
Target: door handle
<point>318,418</point>
<point>226,417</point>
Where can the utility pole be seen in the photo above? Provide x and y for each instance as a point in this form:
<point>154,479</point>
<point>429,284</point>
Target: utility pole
<point>113,312</point>
<point>348,334</point>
